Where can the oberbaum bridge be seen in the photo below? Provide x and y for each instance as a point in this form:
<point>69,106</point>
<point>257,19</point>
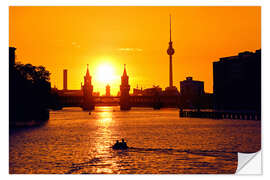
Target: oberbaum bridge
<point>167,98</point>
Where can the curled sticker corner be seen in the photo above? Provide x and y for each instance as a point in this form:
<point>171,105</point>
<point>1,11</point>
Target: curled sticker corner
<point>249,163</point>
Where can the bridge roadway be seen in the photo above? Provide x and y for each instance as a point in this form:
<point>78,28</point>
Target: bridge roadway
<point>134,101</point>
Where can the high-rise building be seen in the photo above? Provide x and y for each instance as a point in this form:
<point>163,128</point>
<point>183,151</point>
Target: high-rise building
<point>65,79</point>
<point>237,82</point>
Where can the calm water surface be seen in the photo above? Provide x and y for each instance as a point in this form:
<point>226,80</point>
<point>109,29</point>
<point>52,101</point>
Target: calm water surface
<point>75,142</point>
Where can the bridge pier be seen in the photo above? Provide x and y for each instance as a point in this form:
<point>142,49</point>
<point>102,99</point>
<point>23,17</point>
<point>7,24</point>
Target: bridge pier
<point>124,103</point>
<point>157,103</point>
<point>88,105</point>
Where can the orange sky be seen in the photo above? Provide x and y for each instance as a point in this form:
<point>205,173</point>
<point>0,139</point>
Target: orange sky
<point>71,37</point>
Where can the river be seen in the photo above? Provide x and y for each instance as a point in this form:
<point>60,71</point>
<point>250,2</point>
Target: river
<point>74,141</point>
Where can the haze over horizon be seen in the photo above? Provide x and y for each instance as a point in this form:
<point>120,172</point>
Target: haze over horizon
<point>106,38</point>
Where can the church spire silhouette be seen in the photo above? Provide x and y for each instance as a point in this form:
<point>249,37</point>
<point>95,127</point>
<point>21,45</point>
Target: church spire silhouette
<point>125,72</point>
<point>87,72</point>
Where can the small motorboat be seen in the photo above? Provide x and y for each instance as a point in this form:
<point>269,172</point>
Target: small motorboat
<point>120,145</point>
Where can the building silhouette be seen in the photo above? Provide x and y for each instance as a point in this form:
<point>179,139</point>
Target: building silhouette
<point>65,79</point>
<point>124,91</point>
<point>190,88</point>
<point>237,82</point>
<point>108,93</point>
<point>88,100</point>
<point>12,56</point>
<point>137,92</point>
<point>191,93</point>
<point>155,90</point>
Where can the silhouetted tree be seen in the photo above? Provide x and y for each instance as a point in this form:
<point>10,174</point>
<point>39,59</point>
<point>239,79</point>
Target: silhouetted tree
<point>29,93</point>
<point>33,73</point>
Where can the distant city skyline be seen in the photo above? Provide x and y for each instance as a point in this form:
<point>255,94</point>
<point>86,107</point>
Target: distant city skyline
<point>106,38</point>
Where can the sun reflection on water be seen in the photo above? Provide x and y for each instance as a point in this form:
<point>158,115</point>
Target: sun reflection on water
<point>104,140</point>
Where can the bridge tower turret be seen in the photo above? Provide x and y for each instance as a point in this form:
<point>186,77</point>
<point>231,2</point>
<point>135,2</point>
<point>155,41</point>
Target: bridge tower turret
<point>88,99</point>
<point>124,90</point>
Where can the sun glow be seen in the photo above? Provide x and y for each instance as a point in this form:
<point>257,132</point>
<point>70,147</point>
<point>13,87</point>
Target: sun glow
<point>105,73</point>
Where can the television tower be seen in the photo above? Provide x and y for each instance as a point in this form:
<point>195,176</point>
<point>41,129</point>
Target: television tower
<point>170,52</point>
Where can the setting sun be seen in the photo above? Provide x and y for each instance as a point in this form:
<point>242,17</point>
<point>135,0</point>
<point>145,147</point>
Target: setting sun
<point>105,73</point>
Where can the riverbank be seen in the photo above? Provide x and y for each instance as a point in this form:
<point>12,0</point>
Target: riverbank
<point>221,115</point>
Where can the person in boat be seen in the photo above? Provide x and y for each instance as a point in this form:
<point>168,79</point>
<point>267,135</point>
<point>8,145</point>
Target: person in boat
<point>124,143</point>
<point>120,145</point>
<point>117,145</point>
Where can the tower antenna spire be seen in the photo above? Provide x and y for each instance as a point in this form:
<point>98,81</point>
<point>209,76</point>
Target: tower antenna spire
<point>170,29</point>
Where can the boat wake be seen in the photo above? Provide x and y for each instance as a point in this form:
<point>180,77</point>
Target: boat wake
<point>134,149</point>
<point>102,162</point>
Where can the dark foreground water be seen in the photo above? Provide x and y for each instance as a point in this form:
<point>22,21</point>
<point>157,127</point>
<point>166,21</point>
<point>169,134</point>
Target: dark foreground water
<point>75,142</point>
